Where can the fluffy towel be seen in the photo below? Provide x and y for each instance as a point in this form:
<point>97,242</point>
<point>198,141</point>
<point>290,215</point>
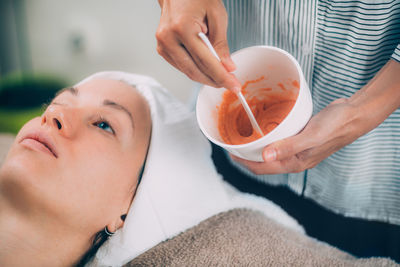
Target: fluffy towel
<point>247,238</point>
<point>180,186</point>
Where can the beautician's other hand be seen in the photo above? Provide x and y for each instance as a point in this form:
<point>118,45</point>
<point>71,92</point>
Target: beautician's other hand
<point>179,44</point>
<point>337,125</point>
<point>328,131</point>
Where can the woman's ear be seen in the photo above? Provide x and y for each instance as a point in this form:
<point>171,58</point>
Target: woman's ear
<point>117,224</point>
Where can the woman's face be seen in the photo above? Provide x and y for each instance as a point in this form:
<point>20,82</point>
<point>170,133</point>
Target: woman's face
<point>79,162</point>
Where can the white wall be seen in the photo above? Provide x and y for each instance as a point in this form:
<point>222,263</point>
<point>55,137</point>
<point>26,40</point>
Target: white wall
<point>114,34</point>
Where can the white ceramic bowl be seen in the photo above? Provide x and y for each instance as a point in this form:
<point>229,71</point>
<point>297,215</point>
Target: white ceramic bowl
<point>253,62</point>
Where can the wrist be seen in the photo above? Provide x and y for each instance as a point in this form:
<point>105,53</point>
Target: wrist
<point>361,119</point>
<point>379,98</point>
<point>352,118</point>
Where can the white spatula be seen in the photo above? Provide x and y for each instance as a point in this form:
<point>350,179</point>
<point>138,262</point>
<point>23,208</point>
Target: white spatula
<point>242,100</point>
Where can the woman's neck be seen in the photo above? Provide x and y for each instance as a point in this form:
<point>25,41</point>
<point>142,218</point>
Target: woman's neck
<point>28,239</point>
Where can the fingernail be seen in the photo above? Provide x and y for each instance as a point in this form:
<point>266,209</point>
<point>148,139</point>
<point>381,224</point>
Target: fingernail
<point>236,89</point>
<point>270,155</point>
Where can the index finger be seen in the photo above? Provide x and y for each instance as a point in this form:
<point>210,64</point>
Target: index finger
<point>209,64</point>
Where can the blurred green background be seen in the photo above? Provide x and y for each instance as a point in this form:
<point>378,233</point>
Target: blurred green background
<point>46,45</point>
<point>22,97</point>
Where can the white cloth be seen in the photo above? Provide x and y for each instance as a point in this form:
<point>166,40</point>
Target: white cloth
<point>180,186</point>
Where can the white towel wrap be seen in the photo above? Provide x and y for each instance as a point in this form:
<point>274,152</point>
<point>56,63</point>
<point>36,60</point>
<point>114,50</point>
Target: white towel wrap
<point>180,186</point>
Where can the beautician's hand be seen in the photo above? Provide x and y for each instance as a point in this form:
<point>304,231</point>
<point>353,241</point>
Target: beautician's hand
<point>339,124</point>
<point>327,132</point>
<point>179,44</point>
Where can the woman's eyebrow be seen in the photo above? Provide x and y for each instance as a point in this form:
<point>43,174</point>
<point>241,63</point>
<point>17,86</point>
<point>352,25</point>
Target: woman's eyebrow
<point>117,106</point>
<point>72,90</point>
<point>106,102</point>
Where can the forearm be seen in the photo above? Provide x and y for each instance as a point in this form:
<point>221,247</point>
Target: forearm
<point>377,99</point>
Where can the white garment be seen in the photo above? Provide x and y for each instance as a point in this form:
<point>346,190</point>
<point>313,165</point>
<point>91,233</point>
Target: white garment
<point>180,186</point>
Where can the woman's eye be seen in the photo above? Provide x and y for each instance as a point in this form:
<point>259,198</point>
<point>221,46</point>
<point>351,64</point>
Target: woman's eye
<point>104,126</point>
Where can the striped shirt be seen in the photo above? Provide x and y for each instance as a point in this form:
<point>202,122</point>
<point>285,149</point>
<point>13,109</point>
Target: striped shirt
<point>340,46</point>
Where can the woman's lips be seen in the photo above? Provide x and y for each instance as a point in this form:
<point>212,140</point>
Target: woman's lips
<point>39,142</point>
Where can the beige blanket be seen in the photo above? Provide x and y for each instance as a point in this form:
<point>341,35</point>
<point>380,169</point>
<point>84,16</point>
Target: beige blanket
<point>243,237</point>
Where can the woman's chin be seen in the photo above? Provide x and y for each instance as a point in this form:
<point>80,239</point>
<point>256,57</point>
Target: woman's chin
<point>22,168</point>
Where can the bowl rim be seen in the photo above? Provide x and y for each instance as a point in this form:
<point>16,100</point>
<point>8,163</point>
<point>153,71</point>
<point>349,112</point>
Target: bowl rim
<point>259,140</point>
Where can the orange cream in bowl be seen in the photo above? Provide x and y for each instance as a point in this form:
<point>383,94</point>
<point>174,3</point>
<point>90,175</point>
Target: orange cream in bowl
<point>269,109</point>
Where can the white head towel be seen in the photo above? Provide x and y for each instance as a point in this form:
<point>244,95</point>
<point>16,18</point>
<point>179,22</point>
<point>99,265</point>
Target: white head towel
<point>180,186</point>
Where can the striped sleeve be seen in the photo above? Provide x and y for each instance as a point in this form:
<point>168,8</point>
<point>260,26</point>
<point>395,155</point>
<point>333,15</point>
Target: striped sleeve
<point>396,53</point>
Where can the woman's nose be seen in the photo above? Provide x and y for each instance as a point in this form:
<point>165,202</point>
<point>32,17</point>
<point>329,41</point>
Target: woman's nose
<point>59,118</point>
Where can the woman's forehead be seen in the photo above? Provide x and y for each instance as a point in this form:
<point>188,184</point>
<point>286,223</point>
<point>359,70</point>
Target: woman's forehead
<point>107,88</point>
<point>101,90</point>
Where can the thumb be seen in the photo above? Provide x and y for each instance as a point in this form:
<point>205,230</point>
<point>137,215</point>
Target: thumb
<point>217,33</point>
<point>286,148</point>
<point>222,48</point>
